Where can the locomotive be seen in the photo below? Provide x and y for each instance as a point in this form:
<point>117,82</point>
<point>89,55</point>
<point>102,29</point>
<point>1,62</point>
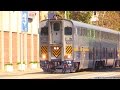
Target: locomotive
<point>71,46</point>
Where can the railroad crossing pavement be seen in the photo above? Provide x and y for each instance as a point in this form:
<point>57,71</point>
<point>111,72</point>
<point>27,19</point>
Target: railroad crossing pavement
<point>96,75</point>
<point>39,74</point>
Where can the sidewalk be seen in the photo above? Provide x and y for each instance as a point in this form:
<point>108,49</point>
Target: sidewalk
<point>17,72</point>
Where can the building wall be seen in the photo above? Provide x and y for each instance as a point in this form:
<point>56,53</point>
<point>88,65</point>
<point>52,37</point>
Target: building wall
<point>0,50</point>
<point>35,47</point>
<point>6,47</point>
<point>28,48</point>
<point>14,48</point>
<point>17,46</point>
<point>11,20</point>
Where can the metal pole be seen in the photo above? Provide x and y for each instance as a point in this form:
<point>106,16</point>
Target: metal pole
<point>65,14</point>
<point>68,13</point>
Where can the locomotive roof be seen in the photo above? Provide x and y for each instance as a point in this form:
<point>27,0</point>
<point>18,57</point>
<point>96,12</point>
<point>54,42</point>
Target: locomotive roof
<point>76,23</point>
<point>81,24</point>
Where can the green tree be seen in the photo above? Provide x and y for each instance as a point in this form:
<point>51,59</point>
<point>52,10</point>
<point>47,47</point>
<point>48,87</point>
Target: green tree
<point>83,16</point>
<point>61,13</point>
<point>109,19</point>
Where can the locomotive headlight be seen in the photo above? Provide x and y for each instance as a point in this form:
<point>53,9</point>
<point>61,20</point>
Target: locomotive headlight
<point>68,56</point>
<point>118,55</point>
<point>56,48</point>
<point>43,56</point>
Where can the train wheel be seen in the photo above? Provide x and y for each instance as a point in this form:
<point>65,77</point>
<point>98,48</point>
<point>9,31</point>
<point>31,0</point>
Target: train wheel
<point>77,67</point>
<point>99,65</point>
<point>63,70</point>
<point>96,65</point>
<point>72,70</point>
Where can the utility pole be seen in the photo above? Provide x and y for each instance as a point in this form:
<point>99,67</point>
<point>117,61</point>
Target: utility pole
<point>65,14</point>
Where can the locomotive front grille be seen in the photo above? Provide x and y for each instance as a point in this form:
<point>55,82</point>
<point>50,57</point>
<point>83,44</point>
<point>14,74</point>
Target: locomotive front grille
<point>68,49</point>
<point>56,51</point>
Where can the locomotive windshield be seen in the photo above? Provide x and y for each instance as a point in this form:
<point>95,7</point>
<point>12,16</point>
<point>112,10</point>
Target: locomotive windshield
<point>56,26</point>
<point>68,31</point>
<point>44,31</point>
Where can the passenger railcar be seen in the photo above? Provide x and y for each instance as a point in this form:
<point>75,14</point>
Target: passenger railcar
<point>69,46</point>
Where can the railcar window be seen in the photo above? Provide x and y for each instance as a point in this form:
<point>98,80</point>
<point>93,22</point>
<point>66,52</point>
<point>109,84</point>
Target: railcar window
<point>88,32</point>
<point>92,33</point>
<point>79,31</point>
<point>90,54</point>
<point>104,53</point>
<point>44,31</point>
<point>68,31</point>
<point>84,31</point>
<point>56,26</point>
<point>109,36</point>
<point>106,35</point>
<point>111,53</point>
<point>98,34</point>
<point>94,56</point>
<point>97,56</point>
<point>102,35</point>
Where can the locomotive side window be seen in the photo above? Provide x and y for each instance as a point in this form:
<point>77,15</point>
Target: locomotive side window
<point>56,26</point>
<point>44,31</point>
<point>68,31</point>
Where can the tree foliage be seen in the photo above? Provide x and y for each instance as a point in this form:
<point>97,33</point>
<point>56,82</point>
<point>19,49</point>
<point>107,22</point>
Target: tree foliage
<point>61,13</point>
<point>109,19</point>
<point>84,16</point>
<point>78,16</point>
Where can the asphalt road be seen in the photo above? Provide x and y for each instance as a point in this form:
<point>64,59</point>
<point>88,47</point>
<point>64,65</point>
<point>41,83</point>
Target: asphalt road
<point>86,74</point>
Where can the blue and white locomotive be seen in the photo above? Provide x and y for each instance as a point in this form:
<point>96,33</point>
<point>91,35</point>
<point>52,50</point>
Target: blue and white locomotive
<point>70,46</point>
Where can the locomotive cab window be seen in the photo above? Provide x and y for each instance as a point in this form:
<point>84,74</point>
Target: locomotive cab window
<point>68,31</point>
<point>56,26</point>
<point>44,31</point>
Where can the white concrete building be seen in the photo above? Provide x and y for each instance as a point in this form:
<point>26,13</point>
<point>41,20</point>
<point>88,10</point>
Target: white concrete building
<point>17,46</point>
